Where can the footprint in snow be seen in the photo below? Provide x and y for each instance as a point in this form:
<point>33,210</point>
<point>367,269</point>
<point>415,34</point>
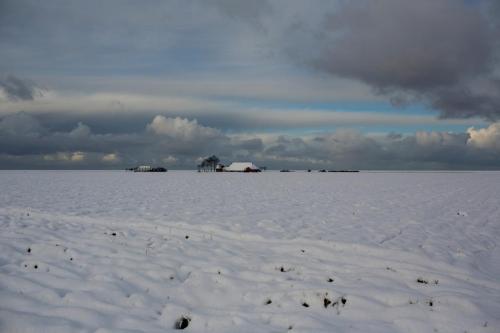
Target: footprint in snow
<point>182,323</point>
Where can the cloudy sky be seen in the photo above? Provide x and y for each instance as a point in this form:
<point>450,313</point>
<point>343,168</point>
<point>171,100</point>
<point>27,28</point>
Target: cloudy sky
<point>367,84</point>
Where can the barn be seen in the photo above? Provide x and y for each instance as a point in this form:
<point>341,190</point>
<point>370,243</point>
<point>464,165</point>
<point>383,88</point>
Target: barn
<point>242,167</point>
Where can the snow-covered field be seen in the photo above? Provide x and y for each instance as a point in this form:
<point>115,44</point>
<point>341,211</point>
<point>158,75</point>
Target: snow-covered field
<point>112,251</point>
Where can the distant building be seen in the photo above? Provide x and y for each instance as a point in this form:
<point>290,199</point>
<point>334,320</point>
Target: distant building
<point>144,168</point>
<point>242,167</point>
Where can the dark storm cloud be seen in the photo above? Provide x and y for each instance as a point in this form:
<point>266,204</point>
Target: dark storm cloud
<point>440,52</point>
<point>342,149</point>
<point>23,137</point>
<point>18,89</point>
<point>413,45</point>
<point>23,134</point>
<point>348,149</point>
<point>464,102</point>
<point>179,142</point>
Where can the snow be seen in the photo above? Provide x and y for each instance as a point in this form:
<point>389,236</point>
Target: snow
<point>113,251</point>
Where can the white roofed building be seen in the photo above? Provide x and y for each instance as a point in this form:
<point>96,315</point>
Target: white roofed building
<point>143,168</point>
<point>242,167</point>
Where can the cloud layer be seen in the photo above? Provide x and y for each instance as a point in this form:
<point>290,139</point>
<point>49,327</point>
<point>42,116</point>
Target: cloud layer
<point>181,142</point>
<point>442,53</point>
<point>282,83</point>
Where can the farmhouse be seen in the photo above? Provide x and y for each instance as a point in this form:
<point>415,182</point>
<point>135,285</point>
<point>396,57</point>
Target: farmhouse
<point>143,168</point>
<point>242,167</point>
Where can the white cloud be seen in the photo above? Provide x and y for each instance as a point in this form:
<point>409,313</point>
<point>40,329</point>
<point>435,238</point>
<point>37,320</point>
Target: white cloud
<point>181,129</point>
<point>485,138</point>
<point>80,131</point>
<point>111,158</point>
<point>77,156</point>
<point>57,157</point>
<point>170,159</point>
<point>437,138</point>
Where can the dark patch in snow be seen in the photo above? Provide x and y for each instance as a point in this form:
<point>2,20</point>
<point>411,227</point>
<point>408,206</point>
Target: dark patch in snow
<point>268,301</point>
<point>284,270</point>
<point>330,280</point>
<point>426,281</point>
<point>28,250</point>
<point>36,266</point>
<point>187,237</point>
<point>326,302</point>
<point>182,323</point>
<point>422,281</point>
<point>343,300</point>
<point>113,234</point>
<point>305,305</point>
